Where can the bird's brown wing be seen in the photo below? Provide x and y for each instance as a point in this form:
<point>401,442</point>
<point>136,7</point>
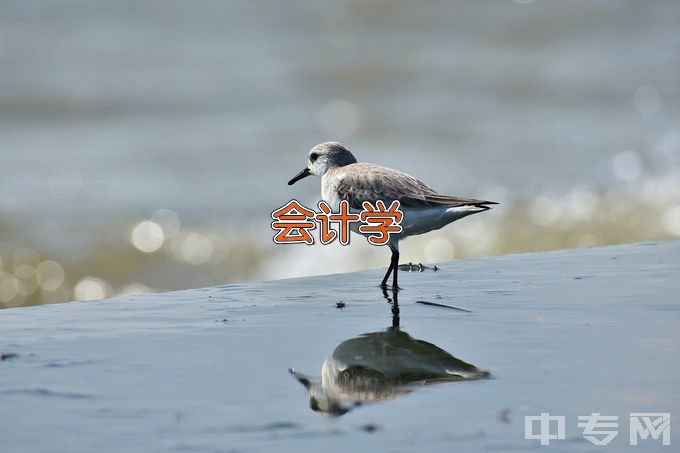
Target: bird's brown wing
<point>361,182</point>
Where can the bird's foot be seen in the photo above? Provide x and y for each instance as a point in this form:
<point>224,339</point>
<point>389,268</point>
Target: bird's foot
<point>385,287</point>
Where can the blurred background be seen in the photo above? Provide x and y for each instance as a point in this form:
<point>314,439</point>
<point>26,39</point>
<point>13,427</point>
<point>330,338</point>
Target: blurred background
<point>144,144</point>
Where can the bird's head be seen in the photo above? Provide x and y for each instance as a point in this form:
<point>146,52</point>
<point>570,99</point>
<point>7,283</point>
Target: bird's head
<point>322,158</point>
<point>319,400</point>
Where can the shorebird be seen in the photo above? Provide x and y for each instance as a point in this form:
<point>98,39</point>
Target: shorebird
<point>424,209</point>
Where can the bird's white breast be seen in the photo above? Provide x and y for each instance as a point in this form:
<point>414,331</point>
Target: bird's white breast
<point>329,190</point>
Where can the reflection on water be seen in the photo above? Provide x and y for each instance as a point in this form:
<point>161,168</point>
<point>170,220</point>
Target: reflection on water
<point>381,366</point>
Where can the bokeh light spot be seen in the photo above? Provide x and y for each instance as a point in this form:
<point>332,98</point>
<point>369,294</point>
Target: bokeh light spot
<point>24,255</point>
<point>627,166</point>
<point>196,248</point>
<point>168,220</point>
<point>24,271</point>
<point>12,291</point>
<point>545,211</point>
<point>50,275</point>
<point>671,220</point>
<point>147,236</point>
<point>90,288</point>
<point>132,289</point>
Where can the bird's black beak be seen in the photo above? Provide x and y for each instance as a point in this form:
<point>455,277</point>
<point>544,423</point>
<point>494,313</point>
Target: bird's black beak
<point>303,174</point>
<point>302,379</point>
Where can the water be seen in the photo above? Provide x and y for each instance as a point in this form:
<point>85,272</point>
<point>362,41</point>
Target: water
<point>566,113</point>
<point>567,332</point>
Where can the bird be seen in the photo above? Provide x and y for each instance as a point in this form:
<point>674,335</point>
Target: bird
<point>424,209</point>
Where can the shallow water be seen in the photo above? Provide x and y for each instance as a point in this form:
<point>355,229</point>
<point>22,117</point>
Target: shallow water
<point>566,112</point>
<point>568,332</point>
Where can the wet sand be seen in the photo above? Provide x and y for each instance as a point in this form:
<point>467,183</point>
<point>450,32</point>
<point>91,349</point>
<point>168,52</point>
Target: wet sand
<point>568,332</point>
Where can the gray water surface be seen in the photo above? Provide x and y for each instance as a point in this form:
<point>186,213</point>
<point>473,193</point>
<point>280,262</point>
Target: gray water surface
<point>568,332</point>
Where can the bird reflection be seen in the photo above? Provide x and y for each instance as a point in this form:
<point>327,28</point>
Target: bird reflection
<point>381,366</point>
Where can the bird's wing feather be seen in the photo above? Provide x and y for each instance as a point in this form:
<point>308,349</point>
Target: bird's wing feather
<point>361,182</point>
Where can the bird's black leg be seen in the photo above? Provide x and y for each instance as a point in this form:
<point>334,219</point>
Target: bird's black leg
<point>387,275</point>
<point>395,266</point>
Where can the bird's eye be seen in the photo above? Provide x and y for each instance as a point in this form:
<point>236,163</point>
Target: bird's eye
<point>313,157</point>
